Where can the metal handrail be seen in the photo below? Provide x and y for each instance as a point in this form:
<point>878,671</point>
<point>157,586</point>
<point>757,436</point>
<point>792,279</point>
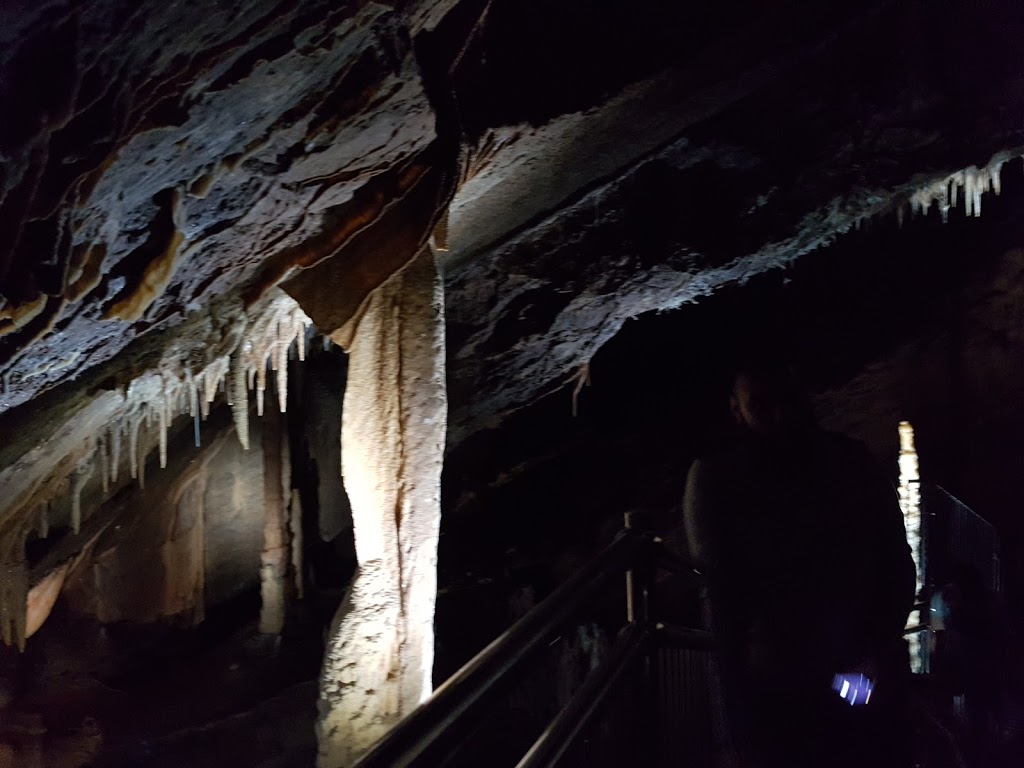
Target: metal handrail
<point>419,734</point>
<point>559,737</point>
<point>684,637</point>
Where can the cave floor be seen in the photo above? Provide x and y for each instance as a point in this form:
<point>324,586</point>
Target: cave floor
<point>155,696</point>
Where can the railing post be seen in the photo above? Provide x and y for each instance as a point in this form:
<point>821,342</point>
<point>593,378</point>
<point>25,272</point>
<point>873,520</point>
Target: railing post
<point>636,583</point>
<point>630,596</point>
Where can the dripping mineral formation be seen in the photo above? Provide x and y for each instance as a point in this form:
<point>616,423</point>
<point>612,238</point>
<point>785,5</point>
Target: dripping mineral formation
<point>266,267</point>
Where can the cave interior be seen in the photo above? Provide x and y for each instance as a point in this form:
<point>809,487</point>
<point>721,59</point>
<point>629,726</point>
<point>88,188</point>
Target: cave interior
<point>526,243</point>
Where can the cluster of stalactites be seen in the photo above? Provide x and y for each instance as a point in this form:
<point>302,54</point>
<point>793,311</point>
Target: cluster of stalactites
<point>153,401</point>
<point>266,345</point>
<point>268,341</point>
<point>971,184</point>
<point>152,407</point>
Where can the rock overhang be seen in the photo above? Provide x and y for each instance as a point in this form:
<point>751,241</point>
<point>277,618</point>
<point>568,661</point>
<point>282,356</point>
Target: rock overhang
<point>164,174</point>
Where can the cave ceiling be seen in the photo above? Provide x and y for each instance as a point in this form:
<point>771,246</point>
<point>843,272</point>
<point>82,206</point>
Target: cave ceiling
<point>169,168</point>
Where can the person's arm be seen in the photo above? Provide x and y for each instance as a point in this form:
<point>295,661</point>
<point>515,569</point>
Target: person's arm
<point>704,510</point>
<point>695,510</point>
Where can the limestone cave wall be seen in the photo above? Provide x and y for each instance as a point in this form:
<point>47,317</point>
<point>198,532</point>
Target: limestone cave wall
<point>187,542</point>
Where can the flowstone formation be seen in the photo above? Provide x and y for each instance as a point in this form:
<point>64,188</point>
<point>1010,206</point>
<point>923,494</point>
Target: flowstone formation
<point>379,658</point>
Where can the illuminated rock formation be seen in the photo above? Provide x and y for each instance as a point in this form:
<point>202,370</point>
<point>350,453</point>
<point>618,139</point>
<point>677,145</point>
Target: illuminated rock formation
<point>379,657</point>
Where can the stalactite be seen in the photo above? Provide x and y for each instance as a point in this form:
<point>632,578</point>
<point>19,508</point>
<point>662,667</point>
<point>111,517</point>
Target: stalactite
<point>82,474</point>
<point>261,386</point>
<point>134,425</point>
<point>975,183</point>
<point>283,343</point>
<point>142,456</point>
<point>44,520</point>
<point>101,448</point>
<point>240,403</point>
<point>115,453</point>
<point>155,399</point>
<point>162,419</point>
<point>193,396</point>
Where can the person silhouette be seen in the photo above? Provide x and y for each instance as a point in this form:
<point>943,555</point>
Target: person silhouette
<point>809,576</point>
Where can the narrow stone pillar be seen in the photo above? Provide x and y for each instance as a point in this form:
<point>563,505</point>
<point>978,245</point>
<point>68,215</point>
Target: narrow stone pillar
<point>276,554</point>
<point>379,657</point>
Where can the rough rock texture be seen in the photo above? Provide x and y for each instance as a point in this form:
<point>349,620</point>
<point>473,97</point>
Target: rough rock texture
<point>920,322</point>
<point>164,165</point>
<point>165,161</point>
<point>379,659</point>
<point>150,169</point>
<point>763,175</point>
<point>189,541</point>
<point>275,556</point>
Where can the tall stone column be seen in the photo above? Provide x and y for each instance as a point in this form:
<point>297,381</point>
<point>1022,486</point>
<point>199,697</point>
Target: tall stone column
<point>379,657</point>
<point>276,555</point>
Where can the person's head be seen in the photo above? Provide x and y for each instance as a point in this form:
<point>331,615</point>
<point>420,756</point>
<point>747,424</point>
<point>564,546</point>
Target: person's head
<point>767,400</point>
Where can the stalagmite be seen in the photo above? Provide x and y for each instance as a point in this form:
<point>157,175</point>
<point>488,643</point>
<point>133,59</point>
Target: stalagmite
<point>13,588</point>
<point>295,528</point>
<point>274,557</point>
<point>377,666</point>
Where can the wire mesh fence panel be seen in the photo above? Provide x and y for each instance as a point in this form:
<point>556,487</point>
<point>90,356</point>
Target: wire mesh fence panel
<point>682,682</point>
<point>959,537</point>
<point>620,734</point>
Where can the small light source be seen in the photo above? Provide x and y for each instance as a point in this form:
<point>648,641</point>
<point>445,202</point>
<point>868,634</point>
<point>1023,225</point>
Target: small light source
<point>854,688</point>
